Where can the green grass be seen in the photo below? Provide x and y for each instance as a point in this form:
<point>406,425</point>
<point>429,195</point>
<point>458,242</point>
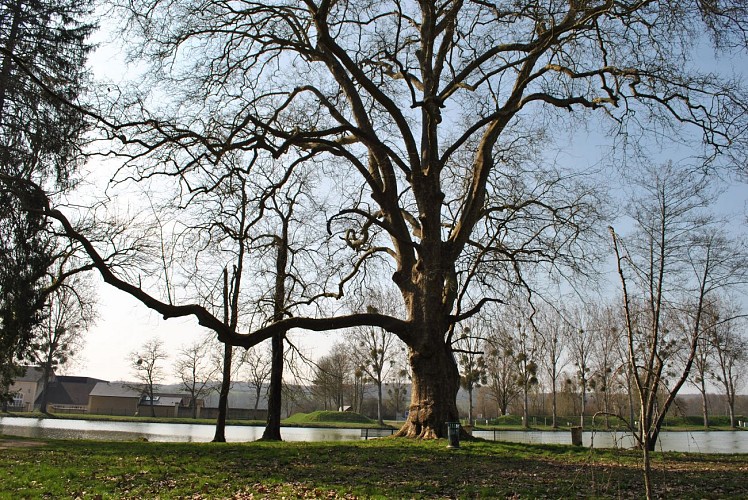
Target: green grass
<point>330,418</point>
<point>381,468</point>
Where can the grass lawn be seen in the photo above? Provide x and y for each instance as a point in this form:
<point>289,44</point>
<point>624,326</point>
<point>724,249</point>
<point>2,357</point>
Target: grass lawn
<point>382,468</point>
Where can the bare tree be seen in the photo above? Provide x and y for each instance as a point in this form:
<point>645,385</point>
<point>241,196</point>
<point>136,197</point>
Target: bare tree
<point>255,366</point>
<point>675,264</point>
<point>702,362</point>
<point>607,365</point>
<point>502,369</point>
<point>526,352</point>
<point>730,355</point>
<point>581,341</point>
<point>428,113</point>
<point>374,349</point>
<point>471,361</point>
<point>146,367</point>
<point>196,370</point>
<point>69,312</point>
<point>553,332</point>
<point>332,376</point>
<point>397,384</point>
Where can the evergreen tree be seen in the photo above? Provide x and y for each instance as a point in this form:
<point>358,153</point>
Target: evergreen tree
<point>42,67</point>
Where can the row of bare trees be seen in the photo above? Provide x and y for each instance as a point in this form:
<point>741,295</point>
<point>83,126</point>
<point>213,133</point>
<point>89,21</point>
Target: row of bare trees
<point>553,367</point>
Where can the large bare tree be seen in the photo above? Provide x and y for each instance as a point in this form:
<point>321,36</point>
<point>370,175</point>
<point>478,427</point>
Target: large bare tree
<point>431,117</point>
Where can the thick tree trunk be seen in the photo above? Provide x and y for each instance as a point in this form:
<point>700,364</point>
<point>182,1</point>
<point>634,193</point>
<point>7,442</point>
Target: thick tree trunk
<point>433,402</point>
<point>272,428</point>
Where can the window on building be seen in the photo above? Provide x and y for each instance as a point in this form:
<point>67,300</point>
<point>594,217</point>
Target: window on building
<point>18,399</point>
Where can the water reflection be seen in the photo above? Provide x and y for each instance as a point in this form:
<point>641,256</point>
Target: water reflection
<point>694,442</point>
<point>54,428</point>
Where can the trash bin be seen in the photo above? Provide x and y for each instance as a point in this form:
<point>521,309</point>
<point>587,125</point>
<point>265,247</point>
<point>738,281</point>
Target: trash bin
<point>453,434</point>
<point>576,436</point>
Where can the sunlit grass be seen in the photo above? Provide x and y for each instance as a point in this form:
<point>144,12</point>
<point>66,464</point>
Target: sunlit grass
<point>381,468</point>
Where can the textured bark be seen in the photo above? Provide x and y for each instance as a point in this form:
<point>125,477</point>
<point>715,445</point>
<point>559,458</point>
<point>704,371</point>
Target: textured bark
<point>223,400</point>
<point>272,428</point>
<point>435,383</point>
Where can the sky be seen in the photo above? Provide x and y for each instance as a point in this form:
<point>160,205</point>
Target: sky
<point>125,324</point>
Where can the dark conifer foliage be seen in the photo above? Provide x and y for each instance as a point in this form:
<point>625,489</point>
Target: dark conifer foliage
<point>43,51</point>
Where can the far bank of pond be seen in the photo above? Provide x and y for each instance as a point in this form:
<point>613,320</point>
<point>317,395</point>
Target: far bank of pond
<point>59,428</point>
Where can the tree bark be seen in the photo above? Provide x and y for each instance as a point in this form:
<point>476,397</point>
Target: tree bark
<point>223,400</point>
<point>704,405</point>
<point>433,402</point>
<point>380,418</point>
<point>272,428</point>
<point>46,373</point>
<point>554,407</point>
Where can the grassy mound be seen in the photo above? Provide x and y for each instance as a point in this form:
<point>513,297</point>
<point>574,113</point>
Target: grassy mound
<point>346,417</point>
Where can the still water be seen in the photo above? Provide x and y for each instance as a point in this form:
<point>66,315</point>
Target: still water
<point>695,442</point>
<point>55,428</point>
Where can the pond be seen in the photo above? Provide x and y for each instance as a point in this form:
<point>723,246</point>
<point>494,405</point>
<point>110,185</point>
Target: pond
<point>685,441</point>
<point>55,428</point>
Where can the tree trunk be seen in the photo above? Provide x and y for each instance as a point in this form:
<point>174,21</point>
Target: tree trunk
<point>46,372</point>
<point>10,47</point>
<point>554,407</point>
<point>647,466</point>
<point>584,401</point>
<point>223,399</point>
<point>433,401</point>
<point>272,428</point>
<point>470,405</point>
<point>380,419</point>
<point>525,407</point>
<point>731,408</point>
<point>704,406</point>
<point>652,437</point>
